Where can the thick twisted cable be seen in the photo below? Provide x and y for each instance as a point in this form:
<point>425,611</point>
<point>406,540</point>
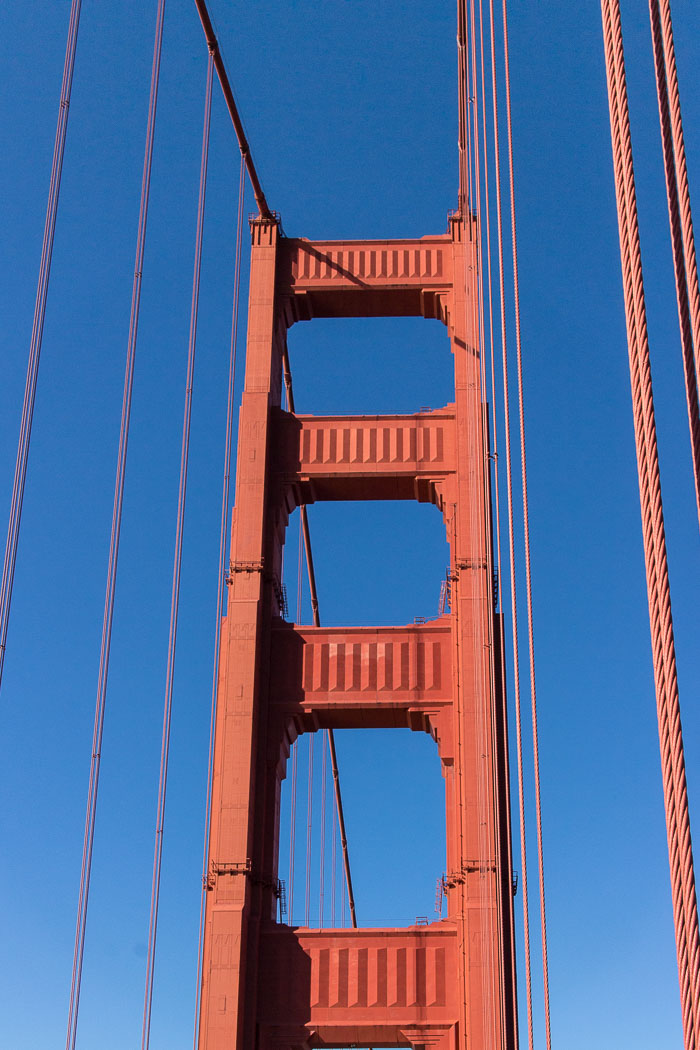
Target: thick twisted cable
<point>688,342</point>
<point>668,708</point>
<point>664,659</point>
<point>682,173</point>
<point>685,269</point>
<point>25,430</point>
<point>177,566</point>
<point>93,783</point>
<point>680,848</point>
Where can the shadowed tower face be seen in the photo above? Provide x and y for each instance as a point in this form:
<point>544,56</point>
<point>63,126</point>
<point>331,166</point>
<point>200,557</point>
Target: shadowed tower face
<point>449,983</point>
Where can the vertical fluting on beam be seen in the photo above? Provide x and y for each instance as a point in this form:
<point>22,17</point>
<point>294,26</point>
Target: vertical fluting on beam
<point>668,707</point>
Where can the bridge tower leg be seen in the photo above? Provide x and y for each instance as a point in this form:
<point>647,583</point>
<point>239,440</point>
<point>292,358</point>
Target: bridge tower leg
<point>450,984</point>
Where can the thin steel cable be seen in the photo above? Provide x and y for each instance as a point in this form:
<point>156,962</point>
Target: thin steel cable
<point>471,530</point>
<point>292,828</point>
<point>25,430</point>
<point>177,567</point>
<point>511,537</point>
<point>304,524</point>
<point>463,203</point>
<point>342,898</point>
<point>661,626</point>
<point>334,861</point>
<point>322,873</point>
<point>526,531</point>
<point>309,830</point>
<point>105,646</point>
<point>300,577</point>
<point>491,976</point>
<point>505,802</point>
<point>223,542</point>
<point>679,266</point>
<point>497,974</point>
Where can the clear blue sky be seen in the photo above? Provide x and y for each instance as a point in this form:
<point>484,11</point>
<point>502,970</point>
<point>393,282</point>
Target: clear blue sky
<point>351,111</point>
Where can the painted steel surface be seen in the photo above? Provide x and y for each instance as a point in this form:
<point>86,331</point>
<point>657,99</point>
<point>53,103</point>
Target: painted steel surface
<point>449,983</point>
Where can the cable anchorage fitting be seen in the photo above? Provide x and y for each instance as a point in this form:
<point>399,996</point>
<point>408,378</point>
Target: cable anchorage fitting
<point>469,867</point>
<point>244,867</point>
<point>243,566</point>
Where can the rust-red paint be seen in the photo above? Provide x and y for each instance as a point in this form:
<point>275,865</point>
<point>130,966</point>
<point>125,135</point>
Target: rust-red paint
<point>449,983</point>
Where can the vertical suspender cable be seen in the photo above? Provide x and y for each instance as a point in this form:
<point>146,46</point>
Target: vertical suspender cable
<point>177,565</point>
<point>309,830</point>
<point>86,868</point>
<point>661,624</point>
<point>317,623</point>
<point>25,431</point>
<point>223,542</point>
<point>505,801</point>
<point>462,108</point>
<point>491,980</point>
<point>322,875</point>
<point>526,529</point>
<point>342,898</point>
<point>511,539</point>
<point>292,828</point>
<point>334,851</point>
<point>680,217</point>
<point>300,575</point>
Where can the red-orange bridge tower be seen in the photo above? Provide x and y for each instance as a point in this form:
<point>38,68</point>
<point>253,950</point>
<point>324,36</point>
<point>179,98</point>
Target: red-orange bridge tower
<point>450,983</point>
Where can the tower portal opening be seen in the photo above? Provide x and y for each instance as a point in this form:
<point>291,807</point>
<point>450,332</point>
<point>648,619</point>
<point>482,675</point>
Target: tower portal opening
<point>394,876</point>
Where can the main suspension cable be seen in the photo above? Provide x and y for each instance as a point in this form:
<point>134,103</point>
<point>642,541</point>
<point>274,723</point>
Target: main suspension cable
<point>105,645</point>
<point>680,217</point>
<point>526,531</point>
<point>246,155</point>
<point>177,566</point>
<point>658,592</point>
<point>223,543</point>
<point>25,430</point>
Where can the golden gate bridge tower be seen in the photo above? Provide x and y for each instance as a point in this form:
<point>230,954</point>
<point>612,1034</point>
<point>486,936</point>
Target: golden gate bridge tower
<point>450,983</point>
